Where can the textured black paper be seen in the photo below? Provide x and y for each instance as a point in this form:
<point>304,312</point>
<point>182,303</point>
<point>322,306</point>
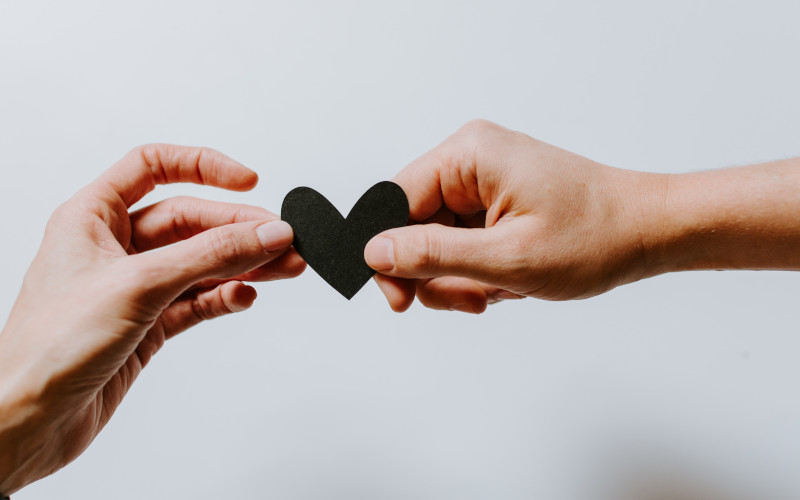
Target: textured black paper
<point>334,246</point>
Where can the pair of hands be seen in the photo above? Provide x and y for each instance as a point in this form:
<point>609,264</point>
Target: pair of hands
<point>495,215</point>
<point>109,287</point>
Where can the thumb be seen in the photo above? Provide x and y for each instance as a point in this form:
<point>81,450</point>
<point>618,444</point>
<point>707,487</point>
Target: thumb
<point>221,252</point>
<point>432,250</point>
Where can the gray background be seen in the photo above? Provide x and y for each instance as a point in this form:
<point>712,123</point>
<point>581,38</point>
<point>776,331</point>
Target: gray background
<point>681,384</point>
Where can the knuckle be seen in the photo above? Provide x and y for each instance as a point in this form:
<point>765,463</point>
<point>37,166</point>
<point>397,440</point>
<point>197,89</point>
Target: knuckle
<point>204,155</point>
<point>423,252</point>
<point>151,148</point>
<point>212,305</point>
<point>201,151</point>
<point>244,213</point>
<point>149,155</point>
<point>201,309</point>
<point>222,303</point>
<point>478,128</point>
<point>198,156</point>
<point>225,247</point>
<point>139,150</point>
<point>474,137</point>
<point>178,209</point>
<point>59,215</point>
<point>209,153</point>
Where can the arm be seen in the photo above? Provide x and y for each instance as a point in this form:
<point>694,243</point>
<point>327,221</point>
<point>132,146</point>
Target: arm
<point>737,218</point>
<point>498,215</point>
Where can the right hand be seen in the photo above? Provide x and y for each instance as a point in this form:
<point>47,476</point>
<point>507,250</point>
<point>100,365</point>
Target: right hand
<point>499,215</point>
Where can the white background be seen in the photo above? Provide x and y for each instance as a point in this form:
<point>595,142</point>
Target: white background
<point>683,383</point>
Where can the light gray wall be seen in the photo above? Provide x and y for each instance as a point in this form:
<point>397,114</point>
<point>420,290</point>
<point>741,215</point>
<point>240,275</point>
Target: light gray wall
<point>688,380</point>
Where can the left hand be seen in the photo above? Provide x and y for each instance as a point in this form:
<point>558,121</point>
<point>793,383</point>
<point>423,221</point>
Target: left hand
<point>99,300</point>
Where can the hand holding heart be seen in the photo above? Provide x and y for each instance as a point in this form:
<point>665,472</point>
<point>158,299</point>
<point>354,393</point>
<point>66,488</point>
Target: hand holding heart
<point>500,215</point>
<point>98,302</point>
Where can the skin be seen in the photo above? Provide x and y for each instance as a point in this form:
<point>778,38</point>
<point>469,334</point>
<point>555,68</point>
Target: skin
<point>498,215</point>
<point>99,300</point>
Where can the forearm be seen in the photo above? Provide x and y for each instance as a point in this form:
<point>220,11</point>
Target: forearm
<point>737,218</point>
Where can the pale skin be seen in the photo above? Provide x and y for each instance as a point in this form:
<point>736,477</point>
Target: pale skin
<point>499,215</point>
<point>99,300</point>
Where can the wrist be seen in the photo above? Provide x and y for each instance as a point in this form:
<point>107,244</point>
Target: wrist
<point>25,430</point>
<point>661,237</point>
<point>737,218</point>
<point>15,444</point>
<point>643,226</point>
<point>24,441</point>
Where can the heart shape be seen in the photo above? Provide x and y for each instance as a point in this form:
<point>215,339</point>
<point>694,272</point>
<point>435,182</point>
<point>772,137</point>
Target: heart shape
<point>333,245</point>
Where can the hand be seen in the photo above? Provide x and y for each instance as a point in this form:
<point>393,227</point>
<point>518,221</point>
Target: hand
<point>500,215</point>
<point>99,300</point>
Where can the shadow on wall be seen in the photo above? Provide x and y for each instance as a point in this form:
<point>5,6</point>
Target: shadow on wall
<point>661,490</point>
<point>652,476</point>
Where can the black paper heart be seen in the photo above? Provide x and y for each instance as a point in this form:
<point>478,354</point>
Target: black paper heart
<point>334,246</point>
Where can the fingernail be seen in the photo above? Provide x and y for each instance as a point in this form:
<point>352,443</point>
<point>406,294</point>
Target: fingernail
<point>506,295</point>
<point>464,308</point>
<point>379,254</point>
<point>275,235</point>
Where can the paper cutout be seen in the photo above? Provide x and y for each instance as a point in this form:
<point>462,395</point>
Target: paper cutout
<point>333,245</point>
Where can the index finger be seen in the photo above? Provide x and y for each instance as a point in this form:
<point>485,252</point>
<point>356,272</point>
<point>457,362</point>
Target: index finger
<point>138,172</point>
<point>450,174</point>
